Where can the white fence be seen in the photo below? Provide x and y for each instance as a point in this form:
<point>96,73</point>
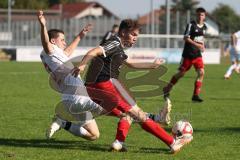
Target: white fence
<point>211,56</point>
<point>27,33</point>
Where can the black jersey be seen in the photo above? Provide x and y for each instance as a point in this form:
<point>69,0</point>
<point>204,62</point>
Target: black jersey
<point>108,65</point>
<point>196,34</point>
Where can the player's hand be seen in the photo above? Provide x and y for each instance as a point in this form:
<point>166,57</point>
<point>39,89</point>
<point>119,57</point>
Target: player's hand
<point>77,70</point>
<point>85,30</point>
<point>159,61</point>
<point>201,47</point>
<point>41,18</point>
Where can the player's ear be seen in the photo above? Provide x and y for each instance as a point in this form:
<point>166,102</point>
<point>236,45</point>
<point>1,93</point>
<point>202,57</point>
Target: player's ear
<point>52,41</point>
<point>123,33</point>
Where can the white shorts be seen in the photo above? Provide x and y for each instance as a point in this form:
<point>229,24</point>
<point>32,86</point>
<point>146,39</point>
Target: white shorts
<point>81,111</point>
<point>234,55</point>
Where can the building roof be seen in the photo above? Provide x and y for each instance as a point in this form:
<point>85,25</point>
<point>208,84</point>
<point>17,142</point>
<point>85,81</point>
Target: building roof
<point>70,10</point>
<point>25,15</point>
<point>146,19</point>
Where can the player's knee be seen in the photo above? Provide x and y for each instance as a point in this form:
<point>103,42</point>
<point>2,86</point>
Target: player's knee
<point>201,73</point>
<point>97,135</point>
<point>138,114</point>
<point>94,136</point>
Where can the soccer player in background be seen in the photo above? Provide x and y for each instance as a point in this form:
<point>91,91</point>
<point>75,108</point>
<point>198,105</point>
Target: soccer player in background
<point>234,49</point>
<point>192,54</point>
<point>110,34</point>
<point>106,61</point>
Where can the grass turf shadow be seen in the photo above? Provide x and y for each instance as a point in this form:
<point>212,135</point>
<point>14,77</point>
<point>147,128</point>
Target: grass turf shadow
<point>53,144</point>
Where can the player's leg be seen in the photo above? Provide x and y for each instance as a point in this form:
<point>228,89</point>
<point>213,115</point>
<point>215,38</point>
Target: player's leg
<point>76,111</point>
<point>83,111</point>
<point>199,67</point>
<point>88,131</point>
<point>237,69</point>
<point>175,143</point>
<point>126,105</point>
<point>230,69</point>
<point>105,94</point>
<point>185,65</point>
<point>234,64</point>
<point>121,135</point>
<point>114,87</point>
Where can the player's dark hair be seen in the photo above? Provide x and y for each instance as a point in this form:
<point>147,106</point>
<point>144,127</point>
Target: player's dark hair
<point>200,10</point>
<point>115,26</point>
<point>54,33</point>
<point>129,25</point>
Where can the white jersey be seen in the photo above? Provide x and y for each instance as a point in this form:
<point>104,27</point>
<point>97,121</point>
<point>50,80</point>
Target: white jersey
<point>237,34</point>
<point>54,61</point>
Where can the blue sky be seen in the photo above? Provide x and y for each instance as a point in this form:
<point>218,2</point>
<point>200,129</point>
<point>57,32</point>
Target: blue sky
<point>132,8</point>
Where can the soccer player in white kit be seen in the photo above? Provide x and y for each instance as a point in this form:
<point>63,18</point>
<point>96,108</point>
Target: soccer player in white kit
<point>234,50</point>
<point>55,53</point>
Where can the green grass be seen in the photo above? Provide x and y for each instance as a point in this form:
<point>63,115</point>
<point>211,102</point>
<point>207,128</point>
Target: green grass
<point>27,105</point>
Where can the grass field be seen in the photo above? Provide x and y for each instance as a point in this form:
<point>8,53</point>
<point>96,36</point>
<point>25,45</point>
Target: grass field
<point>27,105</point>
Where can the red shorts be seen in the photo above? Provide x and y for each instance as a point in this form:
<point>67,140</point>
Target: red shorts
<point>109,96</point>
<point>187,63</point>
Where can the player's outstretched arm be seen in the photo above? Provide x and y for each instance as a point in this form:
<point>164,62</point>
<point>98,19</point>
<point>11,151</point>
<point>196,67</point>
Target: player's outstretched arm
<point>73,45</point>
<point>47,46</point>
<point>86,59</point>
<point>144,65</point>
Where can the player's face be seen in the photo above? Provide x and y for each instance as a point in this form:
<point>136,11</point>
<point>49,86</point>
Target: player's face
<point>60,41</point>
<point>130,38</point>
<point>115,30</point>
<point>201,17</point>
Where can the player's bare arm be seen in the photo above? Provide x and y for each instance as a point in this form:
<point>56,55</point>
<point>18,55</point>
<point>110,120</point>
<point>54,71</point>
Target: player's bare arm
<point>198,45</point>
<point>86,59</point>
<point>73,45</point>
<point>47,46</point>
<point>147,65</point>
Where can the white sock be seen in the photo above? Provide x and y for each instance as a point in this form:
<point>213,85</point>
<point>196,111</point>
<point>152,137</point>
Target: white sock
<point>230,69</point>
<point>78,130</point>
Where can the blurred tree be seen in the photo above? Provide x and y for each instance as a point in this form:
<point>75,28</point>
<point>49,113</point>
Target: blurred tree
<point>184,5</point>
<point>227,18</point>
<point>35,4</point>
<point>52,2</point>
<point>4,4</point>
<point>30,4</point>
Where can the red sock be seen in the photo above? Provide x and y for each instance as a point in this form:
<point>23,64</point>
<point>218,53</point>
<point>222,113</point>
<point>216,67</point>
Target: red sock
<point>173,81</point>
<point>197,87</point>
<point>122,130</point>
<point>155,129</point>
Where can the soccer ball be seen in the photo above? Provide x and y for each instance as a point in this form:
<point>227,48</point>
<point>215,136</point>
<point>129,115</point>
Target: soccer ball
<point>182,128</point>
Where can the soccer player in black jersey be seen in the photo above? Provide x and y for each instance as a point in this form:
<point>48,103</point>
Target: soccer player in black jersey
<point>192,54</point>
<point>110,34</point>
<point>106,61</point>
